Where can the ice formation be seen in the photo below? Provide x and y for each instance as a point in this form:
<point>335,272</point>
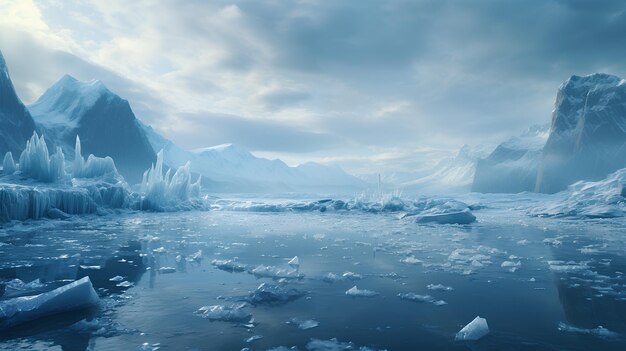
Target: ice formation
<point>229,265</point>
<point>163,192</point>
<point>43,187</point>
<point>333,345</point>
<point>356,292</point>
<point>269,294</point>
<point>475,330</point>
<point>599,331</point>
<point>422,210</point>
<point>421,298</point>
<point>224,313</point>
<point>73,296</point>
<point>303,324</point>
<point>275,272</point>
<point>440,287</point>
<point>8,164</point>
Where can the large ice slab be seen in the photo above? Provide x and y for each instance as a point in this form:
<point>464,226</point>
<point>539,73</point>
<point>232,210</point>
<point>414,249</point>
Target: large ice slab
<point>474,330</point>
<point>76,295</point>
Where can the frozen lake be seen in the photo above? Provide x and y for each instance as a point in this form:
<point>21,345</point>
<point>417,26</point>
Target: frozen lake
<point>541,283</point>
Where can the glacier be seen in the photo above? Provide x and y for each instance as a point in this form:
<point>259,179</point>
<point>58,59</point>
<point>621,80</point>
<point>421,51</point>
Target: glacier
<point>44,186</point>
<point>592,199</point>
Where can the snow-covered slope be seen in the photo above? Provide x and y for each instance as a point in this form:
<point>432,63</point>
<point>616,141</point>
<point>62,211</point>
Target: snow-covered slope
<point>16,123</point>
<point>512,166</point>
<point>450,175</point>
<point>230,168</point>
<point>588,134</point>
<point>104,121</point>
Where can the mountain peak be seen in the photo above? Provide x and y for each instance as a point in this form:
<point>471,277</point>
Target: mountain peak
<point>592,81</point>
<point>227,148</point>
<point>61,103</point>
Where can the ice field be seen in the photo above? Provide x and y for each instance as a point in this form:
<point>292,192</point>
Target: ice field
<point>361,280</point>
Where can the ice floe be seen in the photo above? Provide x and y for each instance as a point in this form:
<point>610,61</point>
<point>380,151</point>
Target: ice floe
<point>226,313</point>
<point>73,296</point>
<point>271,294</point>
<point>303,324</point>
<point>474,330</point>
<point>421,298</point>
<point>356,292</point>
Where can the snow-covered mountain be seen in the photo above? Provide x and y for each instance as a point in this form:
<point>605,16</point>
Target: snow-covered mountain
<point>230,168</point>
<point>512,166</point>
<point>16,123</point>
<point>105,123</point>
<point>588,135</point>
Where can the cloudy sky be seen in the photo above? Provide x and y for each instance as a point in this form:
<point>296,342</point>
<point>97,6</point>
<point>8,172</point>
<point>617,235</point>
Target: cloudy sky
<point>367,84</point>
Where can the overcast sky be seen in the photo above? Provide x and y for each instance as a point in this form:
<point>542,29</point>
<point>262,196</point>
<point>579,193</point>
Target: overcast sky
<point>354,82</point>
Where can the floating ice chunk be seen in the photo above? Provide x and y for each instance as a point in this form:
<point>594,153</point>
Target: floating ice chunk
<point>195,257</point>
<point>511,265</point>
<point>356,292</point>
<point>332,277</point>
<point>283,348</point>
<point>352,276</point>
<point>421,298</point>
<point>224,313</point>
<point>462,217</point>
<point>273,295</point>
<point>333,345</point>
<point>254,338</point>
<point>568,267</point>
<point>600,331</point>
<point>117,278</point>
<point>124,284</point>
<point>439,287</point>
<point>294,262</point>
<point>475,330</point>
<point>411,260</point>
<point>229,265</point>
<point>166,270</point>
<point>76,295</point>
<point>275,272</point>
<point>303,324</point>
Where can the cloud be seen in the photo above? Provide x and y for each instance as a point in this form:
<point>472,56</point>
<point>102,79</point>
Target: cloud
<point>341,76</point>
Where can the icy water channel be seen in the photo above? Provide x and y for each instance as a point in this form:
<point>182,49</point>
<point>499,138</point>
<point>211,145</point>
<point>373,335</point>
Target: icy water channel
<point>542,284</point>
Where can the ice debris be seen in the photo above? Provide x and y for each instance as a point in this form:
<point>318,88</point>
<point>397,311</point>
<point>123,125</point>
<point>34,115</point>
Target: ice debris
<point>474,330</point>
<point>439,287</point>
<point>600,331</point>
<point>275,272</point>
<point>225,313</point>
<point>229,265</point>
<point>271,294</point>
<point>73,296</point>
<point>303,324</point>
<point>356,292</point>
<point>421,298</point>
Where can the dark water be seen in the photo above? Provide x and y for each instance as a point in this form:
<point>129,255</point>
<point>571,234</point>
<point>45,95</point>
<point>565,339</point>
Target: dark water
<point>574,277</point>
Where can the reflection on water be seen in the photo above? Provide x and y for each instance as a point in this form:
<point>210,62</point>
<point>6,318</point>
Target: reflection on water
<point>153,271</point>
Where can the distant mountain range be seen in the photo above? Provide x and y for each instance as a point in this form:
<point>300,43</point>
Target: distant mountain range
<point>107,126</point>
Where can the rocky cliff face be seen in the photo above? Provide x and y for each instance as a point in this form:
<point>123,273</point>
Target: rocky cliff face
<point>16,123</point>
<point>587,137</point>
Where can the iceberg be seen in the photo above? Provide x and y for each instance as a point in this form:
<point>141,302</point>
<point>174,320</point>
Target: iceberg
<point>599,331</point>
<point>356,292</point>
<point>440,287</point>
<point>73,296</point>
<point>294,262</point>
<point>475,330</point>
